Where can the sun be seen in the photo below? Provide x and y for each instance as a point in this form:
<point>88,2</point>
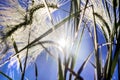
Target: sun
<point>62,42</point>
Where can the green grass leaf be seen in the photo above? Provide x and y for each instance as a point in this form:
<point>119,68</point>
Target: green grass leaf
<point>98,67</point>
<point>104,22</point>
<point>60,71</point>
<point>116,56</point>
<point>84,63</point>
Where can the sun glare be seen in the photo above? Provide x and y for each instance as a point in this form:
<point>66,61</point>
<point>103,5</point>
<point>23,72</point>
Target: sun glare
<point>62,42</point>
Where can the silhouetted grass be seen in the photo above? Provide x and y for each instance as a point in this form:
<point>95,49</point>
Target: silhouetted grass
<point>79,11</point>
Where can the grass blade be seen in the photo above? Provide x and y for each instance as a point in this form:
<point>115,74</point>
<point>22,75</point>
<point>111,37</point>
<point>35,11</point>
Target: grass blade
<point>74,57</point>
<point>82,16</point>
<point>119,68</point>
<point>75,7</point>
<point>47,51</point>
<point>45,42</point>
<point>115,17</point>
<point>5,75</point>
<point>15,46</point>
<point>16,50</point>
<point>60,71</point>
<point>66,65</point>
<point>116,56</point>
<point>107,8</point>
<point>98,68</point>
<point>73,73</point>
<point>36,71</point>
<point>48,11</point>
<point>92,64</point>
<point>25,63</point>
<point>72,67</point>
<point>84,64</point>
<point>76,21</point>
<point>104,22</point>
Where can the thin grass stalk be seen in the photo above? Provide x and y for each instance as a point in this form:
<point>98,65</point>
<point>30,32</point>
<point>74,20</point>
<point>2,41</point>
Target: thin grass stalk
<point>108,11</point>
<point>73,73</point>
<point>105,35</point>
<point>82,16</point>
<point>112,63</point>
<point>75,7</point>
<point>119,68</point>
<point>20,63</point>
<point>117,34</point>
<point>36,71</point>
<point>72,66</point>
<point>48,11</point>
<point>66,65</point>
<point>115,18</point>
<point>109,64</point>
<point>92,64</point>
<point>100,51</point>
<point>119,12</point>
<point>60,71</point>
<point>74,57</point>
<point>6,76</point>
<point>95,74</point>
<point>90,33</point>
<point>45,42</point>
<point>116,56</point>
<point>104,22</point>
<point>84,64</point>
<point>96,48</point>
<point>25,63</point>
<point>16,51</point>
<point>65,74</point>
<point>76,51</point>
<point>47,51</point>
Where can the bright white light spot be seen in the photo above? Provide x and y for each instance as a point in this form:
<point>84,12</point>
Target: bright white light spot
<point>62,42</point>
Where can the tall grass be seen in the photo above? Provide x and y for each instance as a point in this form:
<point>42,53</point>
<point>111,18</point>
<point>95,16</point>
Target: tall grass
<point>103,15</point>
